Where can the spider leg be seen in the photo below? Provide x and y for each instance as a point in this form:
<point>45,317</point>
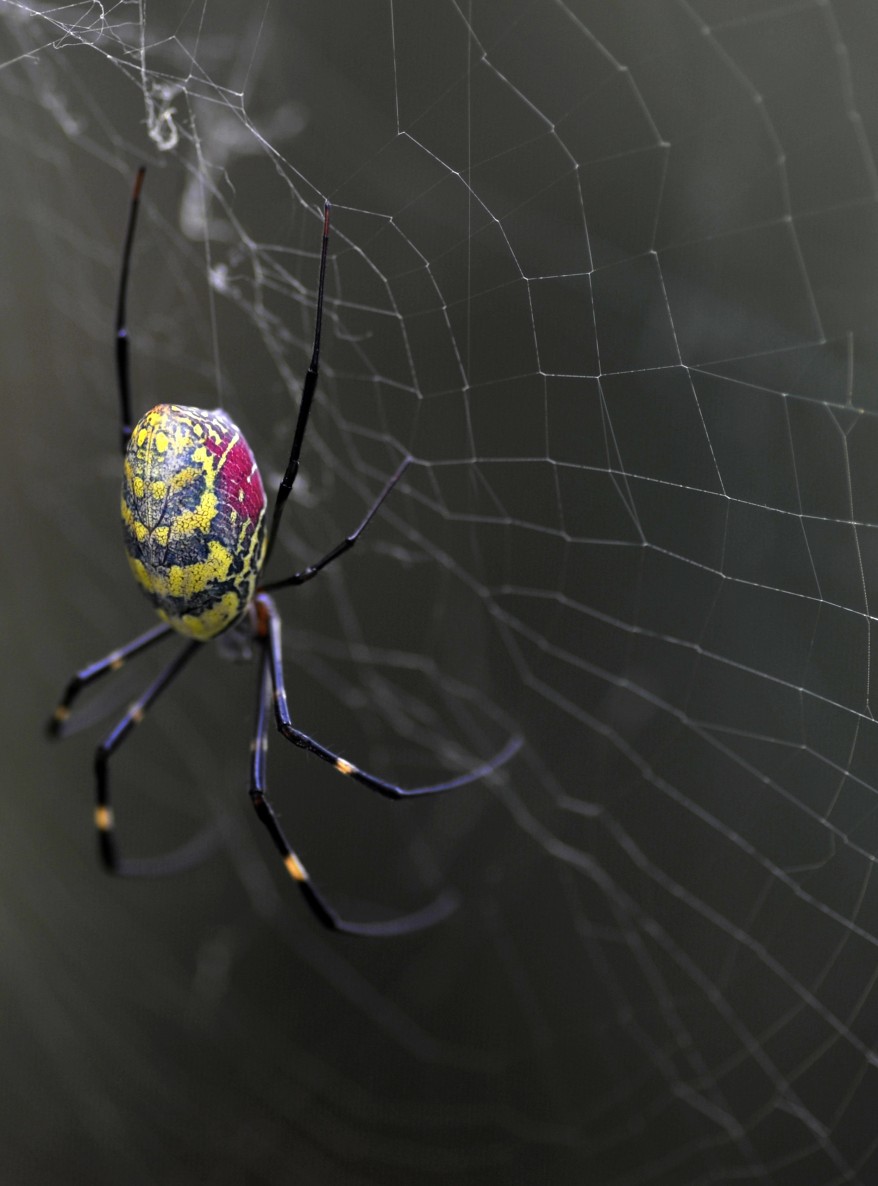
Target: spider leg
<point>189,854</point>
<point>434,913</point>
<point>122,368</point>
<point>343,766</point>
<point>308,389</point>
<point>299,578</point>
<point>94,671</point>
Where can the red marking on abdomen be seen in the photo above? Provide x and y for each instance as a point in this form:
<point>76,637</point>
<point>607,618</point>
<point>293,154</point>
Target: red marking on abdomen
<point>239,474</point>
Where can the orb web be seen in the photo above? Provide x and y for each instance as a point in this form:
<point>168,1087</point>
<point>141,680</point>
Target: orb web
<point>608,277</point>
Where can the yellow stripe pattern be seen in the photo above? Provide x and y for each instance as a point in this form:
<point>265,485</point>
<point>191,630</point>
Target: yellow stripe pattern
<point>193,514</point>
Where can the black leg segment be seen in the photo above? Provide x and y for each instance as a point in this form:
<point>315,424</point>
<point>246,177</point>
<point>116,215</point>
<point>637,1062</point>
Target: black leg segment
<point>342,765</point>
<point>183,858</point>
<point>320,907</point>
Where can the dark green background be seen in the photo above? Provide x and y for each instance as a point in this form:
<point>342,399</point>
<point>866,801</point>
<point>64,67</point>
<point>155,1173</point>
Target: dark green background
<point>608,272</point>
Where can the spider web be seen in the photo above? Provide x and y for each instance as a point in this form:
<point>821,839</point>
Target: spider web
<point>607,273</point>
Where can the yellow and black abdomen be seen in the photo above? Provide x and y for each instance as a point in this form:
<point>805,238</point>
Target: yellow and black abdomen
<point>193,512</point>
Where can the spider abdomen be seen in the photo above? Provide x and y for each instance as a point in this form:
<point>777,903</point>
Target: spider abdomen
<point>193,512</point>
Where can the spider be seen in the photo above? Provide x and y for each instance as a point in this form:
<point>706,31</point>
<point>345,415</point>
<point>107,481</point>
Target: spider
<point>194,519</point>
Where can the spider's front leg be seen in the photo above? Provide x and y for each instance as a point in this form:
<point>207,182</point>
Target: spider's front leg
<point>94,671</point>
<point>434,913</point>
<point>185,857</point>
<point>272,624</point>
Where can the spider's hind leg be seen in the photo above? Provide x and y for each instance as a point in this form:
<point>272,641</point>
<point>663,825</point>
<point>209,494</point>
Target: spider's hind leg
<point>306,574</point>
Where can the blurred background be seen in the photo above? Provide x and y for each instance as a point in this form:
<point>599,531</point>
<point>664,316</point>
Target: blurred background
<point>609,273</point>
